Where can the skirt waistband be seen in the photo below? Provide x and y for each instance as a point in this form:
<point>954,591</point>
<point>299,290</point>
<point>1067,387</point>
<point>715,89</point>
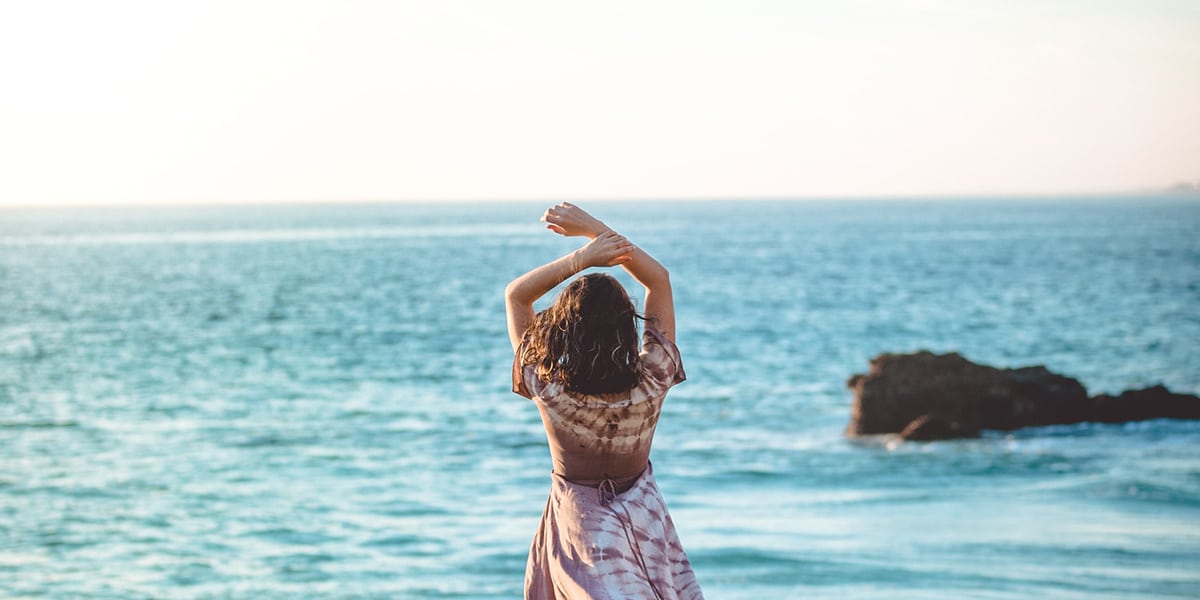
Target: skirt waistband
<point>607,489</point>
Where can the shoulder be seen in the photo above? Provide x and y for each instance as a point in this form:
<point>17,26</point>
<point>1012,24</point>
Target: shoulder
<point>524,379</point>
<point>660,358</point>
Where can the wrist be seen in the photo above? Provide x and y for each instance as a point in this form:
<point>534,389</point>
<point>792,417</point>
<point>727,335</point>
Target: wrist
<point>577,261</point>
<point>598,229</point>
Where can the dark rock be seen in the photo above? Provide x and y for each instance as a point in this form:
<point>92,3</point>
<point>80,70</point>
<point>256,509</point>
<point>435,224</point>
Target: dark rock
<point>936,396</point>
<point>1151,403</point>
<point>934,427</point>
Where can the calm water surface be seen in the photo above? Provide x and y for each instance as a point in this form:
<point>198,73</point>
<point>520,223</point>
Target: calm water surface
<point>312,401</point>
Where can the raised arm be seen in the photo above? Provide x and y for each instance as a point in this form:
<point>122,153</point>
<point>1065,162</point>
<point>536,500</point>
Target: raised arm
<point>603,250</point>
<point>570,220</point>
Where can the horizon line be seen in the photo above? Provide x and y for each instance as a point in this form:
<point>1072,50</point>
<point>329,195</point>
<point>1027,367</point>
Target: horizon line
<point>1192,192</point>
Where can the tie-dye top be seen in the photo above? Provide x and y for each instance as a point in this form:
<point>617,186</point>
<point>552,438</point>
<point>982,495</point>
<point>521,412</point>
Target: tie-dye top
<point>604,436</point>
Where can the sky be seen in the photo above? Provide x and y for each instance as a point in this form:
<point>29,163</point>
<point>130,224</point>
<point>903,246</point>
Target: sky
<point>251,101</point>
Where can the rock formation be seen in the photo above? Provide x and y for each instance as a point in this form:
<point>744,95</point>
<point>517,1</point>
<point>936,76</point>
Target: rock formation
<point>926,396</point>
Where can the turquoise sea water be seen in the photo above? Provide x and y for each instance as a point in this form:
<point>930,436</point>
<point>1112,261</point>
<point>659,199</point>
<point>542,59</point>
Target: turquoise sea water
<point>312,401</point>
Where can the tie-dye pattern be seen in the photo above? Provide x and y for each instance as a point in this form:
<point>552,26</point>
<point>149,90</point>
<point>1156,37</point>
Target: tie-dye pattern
<point>598,540</point>
<point>584,549</point>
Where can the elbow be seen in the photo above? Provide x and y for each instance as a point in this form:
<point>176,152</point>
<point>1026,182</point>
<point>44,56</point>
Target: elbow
<point>661,280</point>
<point>512,292</point>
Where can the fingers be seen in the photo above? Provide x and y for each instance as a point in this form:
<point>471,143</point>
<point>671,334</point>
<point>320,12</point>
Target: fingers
<point>617,240</point>
<point>609,249</point>
<point>619,260</point>
<point>559,210</point>
<point>614,239</point>
<point>615,245</point>
<point>553,215</point>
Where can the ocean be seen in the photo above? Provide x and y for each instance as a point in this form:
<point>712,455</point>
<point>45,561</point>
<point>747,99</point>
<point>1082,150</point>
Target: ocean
<point>312,401</point>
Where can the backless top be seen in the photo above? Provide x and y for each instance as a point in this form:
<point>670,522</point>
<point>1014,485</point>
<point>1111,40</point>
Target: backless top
<point>604,436</point>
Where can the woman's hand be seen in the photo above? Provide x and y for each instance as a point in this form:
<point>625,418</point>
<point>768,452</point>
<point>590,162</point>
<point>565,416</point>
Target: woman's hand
<point>606,250</point>
<point>570,220</point>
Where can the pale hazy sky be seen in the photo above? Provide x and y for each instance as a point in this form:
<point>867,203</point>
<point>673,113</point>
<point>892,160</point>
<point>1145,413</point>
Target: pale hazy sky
<point>271,101</point>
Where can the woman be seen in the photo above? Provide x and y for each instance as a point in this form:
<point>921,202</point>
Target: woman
<point>605,532</point>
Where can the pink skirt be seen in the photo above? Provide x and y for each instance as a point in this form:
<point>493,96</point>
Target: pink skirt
<point>593,543</point>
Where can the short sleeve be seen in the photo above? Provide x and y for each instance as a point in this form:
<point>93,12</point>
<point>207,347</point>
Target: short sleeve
<point>518,375</point>
<point>661,359</point>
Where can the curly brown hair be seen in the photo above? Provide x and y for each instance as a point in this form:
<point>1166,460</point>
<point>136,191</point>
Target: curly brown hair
<point>587,339</point>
